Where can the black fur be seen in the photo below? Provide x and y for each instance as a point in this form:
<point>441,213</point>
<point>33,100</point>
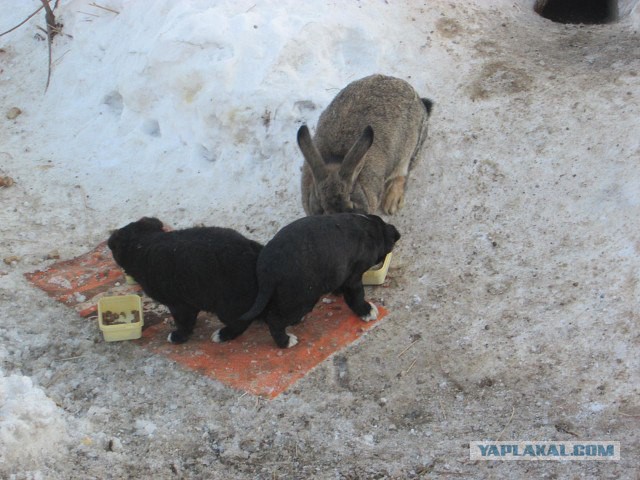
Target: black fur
<point>201,268</point>
<point>313,256</point>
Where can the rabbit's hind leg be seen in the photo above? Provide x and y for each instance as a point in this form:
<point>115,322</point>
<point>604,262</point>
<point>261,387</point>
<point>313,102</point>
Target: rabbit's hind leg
<point>394,195</point>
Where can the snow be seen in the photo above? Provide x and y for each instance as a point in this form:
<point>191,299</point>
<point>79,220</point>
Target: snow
<point>32,426</point>
<point>520,238</point>
<point>196,95</point>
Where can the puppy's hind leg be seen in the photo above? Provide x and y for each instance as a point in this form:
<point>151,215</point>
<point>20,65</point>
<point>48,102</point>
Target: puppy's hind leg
<point>184,317</point>
<point>354,296</point>
<point>277,328</point>
<point>282,338</point>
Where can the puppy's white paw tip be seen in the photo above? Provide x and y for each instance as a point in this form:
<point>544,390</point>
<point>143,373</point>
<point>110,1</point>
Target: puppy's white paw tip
<point>372,315</point>
<point>215,338</point>
<point>169,338</point>
<point>293,340</point>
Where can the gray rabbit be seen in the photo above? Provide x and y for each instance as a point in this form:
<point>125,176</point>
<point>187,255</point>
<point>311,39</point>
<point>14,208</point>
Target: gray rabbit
<point>366,142</point>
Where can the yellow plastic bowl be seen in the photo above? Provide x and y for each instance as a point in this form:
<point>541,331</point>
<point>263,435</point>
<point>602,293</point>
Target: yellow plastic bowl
<point>129,311</point>
<point>376,276</point>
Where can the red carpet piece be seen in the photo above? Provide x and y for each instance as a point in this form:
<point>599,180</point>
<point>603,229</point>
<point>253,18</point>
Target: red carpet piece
<point>251,363</point>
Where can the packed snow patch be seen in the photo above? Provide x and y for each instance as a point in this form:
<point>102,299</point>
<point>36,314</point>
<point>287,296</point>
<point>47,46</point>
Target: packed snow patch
<point>32,426</point>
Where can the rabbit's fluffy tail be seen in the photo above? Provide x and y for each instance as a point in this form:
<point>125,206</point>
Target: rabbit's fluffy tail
<point>260,303</point>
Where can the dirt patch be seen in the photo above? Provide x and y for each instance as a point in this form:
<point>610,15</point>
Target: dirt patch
<point>449,27</point>
<point>499,78</point>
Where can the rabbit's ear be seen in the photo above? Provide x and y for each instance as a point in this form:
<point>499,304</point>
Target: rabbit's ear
<point>354,159</point>
<point>311,154</point>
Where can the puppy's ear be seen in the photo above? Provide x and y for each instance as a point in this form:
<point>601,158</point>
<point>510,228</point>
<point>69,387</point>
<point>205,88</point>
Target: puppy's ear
<point>151,224</point>
<point>392,234</point>
<point>118,241</point>
<point>396,234</point>
<point>114,237</point>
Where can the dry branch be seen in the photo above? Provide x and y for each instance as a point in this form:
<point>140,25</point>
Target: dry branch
<point>406,349</point>
<point>513,411</point>
<point>21,23</point>
<point>94,4</point>
<point>51,31</point>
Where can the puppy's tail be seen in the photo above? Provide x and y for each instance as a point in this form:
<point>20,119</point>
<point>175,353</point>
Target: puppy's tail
<point>260,303</point>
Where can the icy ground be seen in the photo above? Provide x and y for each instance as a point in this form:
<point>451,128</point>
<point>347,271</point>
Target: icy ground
<point>514,291</point>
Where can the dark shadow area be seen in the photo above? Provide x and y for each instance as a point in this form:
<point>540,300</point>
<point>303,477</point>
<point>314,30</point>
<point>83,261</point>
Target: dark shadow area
<point>578,11</point>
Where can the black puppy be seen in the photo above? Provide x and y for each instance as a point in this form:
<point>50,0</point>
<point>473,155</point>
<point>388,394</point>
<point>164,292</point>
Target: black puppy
<point>202,268</point>
<point>313,256</point>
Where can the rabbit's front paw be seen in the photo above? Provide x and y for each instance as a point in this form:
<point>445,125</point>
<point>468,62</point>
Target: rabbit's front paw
<point>394,196</point>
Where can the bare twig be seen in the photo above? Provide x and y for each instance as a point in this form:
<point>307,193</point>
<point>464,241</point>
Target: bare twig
<point>406,349</point>
<point>513,411</point>
<point>87,13</point>
<point>70,358</point>
<point>94,4</point>
<point>59,59</point>
<point>410,366</point>
<point>629,415</point>
<point>22,240</point>
<point>49,16</point>
<point>51,30</point>
<point>21,23</point>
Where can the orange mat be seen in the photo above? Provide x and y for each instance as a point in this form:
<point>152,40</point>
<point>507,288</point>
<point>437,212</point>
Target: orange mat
<point>251,363</point>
